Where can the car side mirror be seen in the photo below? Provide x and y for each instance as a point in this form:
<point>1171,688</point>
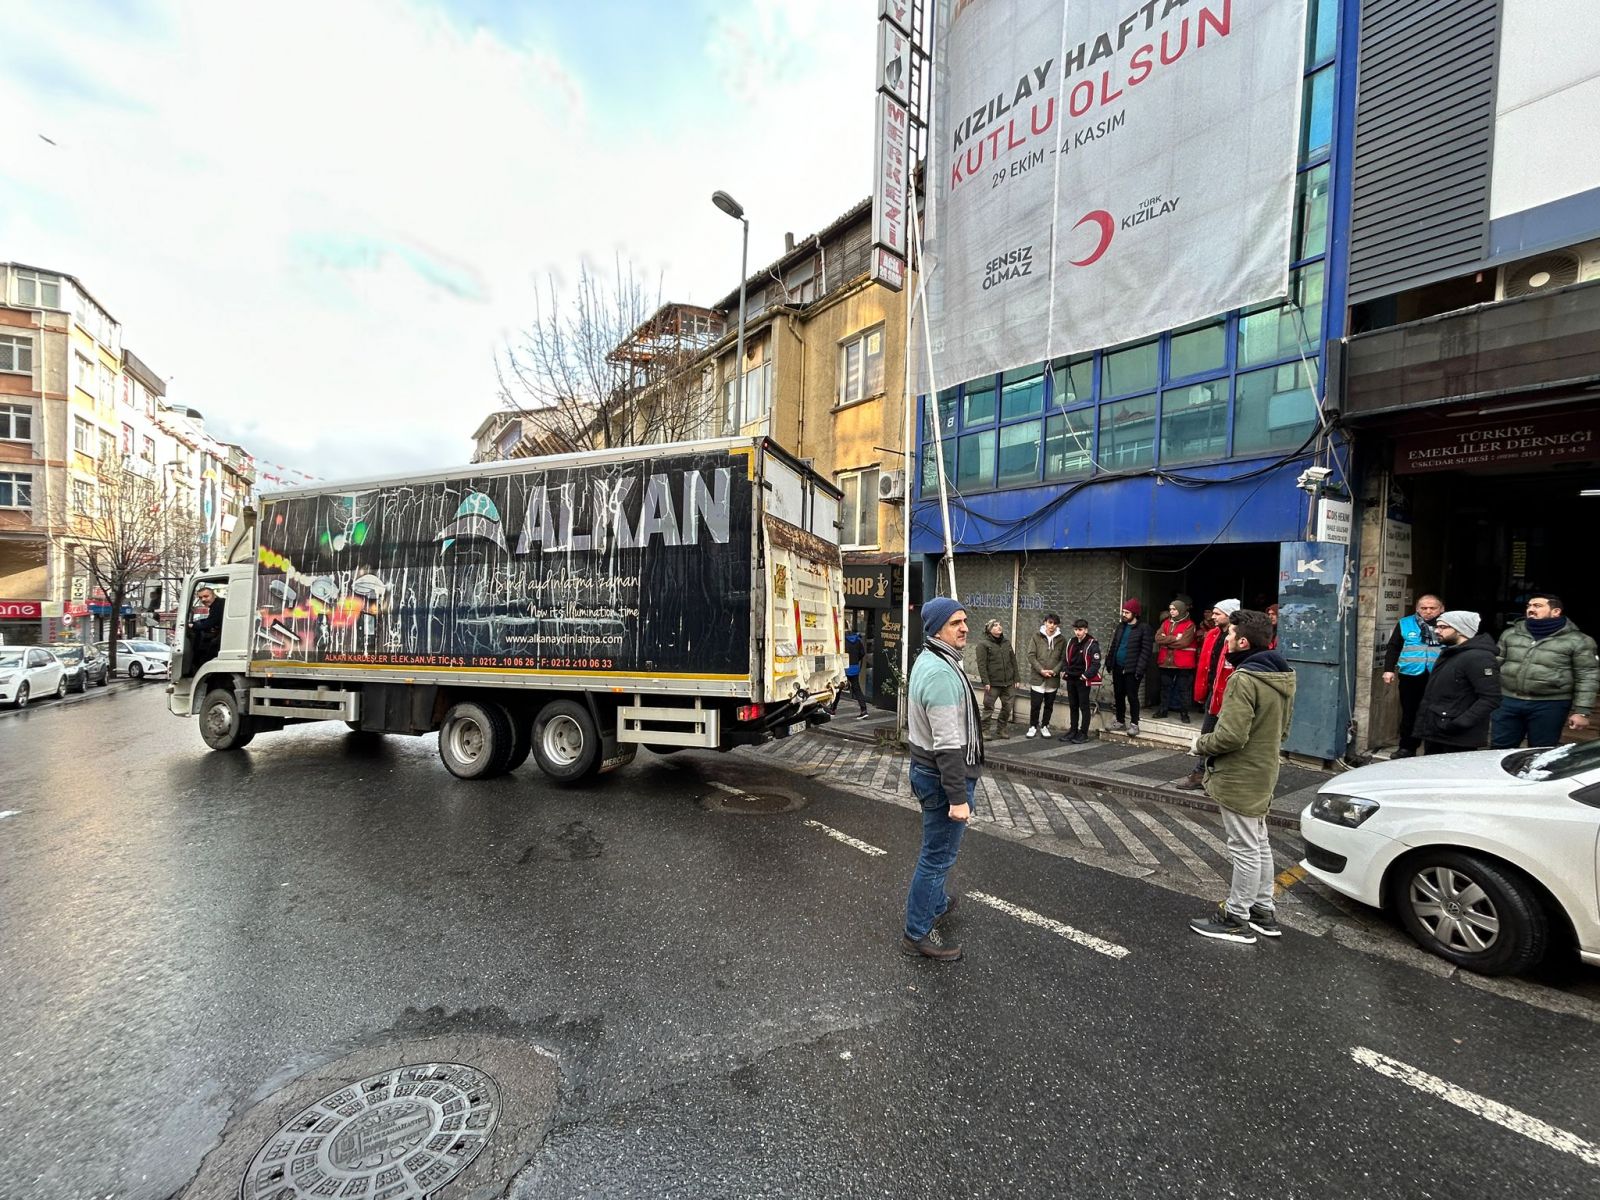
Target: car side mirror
<point>1588,794</point>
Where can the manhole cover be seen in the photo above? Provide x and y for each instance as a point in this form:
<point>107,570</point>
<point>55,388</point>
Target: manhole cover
<point>400,1135</point>
<point>756,803</point>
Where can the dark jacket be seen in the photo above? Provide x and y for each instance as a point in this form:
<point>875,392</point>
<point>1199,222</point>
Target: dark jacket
<point>1559,667</point>
<point>1083,659</point>
<point>1046,654</point>
<point>854,651</point>
<point>997,661</point>
<point>1243,753</point>
<point>1463,690</point>
<point>1141,641</point>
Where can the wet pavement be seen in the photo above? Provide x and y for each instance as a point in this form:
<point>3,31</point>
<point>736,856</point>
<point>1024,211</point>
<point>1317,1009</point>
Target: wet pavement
<point>189,937</point>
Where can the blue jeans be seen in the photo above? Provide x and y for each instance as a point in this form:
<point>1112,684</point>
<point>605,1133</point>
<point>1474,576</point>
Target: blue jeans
<point>941,842</point>
<point>1537,720</point>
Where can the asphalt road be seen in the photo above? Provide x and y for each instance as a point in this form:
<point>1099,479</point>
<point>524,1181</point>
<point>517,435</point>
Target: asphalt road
<point>182,933</point>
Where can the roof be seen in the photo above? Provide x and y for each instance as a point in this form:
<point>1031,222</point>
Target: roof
<point>802,249</point>
<point>76,282</point>
<point>141,371</point>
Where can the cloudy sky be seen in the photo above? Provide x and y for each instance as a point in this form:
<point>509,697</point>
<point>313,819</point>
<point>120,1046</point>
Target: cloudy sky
<point>320,218</point>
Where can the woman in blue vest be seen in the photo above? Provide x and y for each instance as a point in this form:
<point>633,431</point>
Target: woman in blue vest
<point>1413,650</point>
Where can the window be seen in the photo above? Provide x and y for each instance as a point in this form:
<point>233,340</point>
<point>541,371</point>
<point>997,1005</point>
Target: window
<point>1201,350</point>
<point>82,436</point>
<point>861,367</point>
<point>1311,213</point>
<point>975,461</point>
<point>930,472</point>
<point>858,515</point>
<point>82,496</point>
<point>16,354</point>
<point>1019,453</point>
<point>1282,330</point>
<point>1322,24</point>
<point>127,441</point>
<point>16,489</point>
<point>947,411</point>
<point>108,386</point>
<point>108,447</point>
<point>1021,393</point>
<point>978,402</point>
<point>1316,119</point>
<point>757,398</point>
<point>1069,444</point>
<point>1131,370</point>
<point>1275,410</point>
<point>37,290</point>
<point>148,453</point>
<point>1074,381</point>
<point>1194,422</point>
<point>83,373</point>
<point>1128,434</point>
<point>16,423</point>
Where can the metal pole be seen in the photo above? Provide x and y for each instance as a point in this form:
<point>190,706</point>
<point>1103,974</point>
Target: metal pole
<point>738,361</point>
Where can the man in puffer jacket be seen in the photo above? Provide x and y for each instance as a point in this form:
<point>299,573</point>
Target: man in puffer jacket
<point>997,668</point>
<point>1548,672</point>
<point>1463,687</point>
<point>1242,762</point>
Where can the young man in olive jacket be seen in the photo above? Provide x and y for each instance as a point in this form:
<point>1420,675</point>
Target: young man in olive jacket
<point>1548,672</point>
<point>1463,687</point>
<point>997,668</point>
<point>1242,760</point>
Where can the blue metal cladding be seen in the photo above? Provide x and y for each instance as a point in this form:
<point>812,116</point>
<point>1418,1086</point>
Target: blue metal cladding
<point>1244,489</point>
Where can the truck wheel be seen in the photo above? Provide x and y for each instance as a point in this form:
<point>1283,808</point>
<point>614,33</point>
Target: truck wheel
<point>566,743</point>
<point>475,740</point>
<point>222,724</point>
<point>521,739</point>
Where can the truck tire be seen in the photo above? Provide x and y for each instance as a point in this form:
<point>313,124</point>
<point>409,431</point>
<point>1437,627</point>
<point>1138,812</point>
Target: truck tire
<point>521,738</point>
<point>566,742</point>
<point>223,724</point>
<point>475,740</point>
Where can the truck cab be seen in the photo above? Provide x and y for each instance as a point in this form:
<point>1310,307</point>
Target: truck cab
<point>212,655</point>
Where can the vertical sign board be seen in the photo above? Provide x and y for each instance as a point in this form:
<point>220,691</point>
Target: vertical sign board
<point>1311,580</point>
<point>1102,171</point>
<point>892,173</point>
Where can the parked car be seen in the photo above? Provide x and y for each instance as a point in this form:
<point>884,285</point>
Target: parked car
<point>138,657</point>
<point>28,672</point>
<point>84,664</point>
<point>1487,858</point>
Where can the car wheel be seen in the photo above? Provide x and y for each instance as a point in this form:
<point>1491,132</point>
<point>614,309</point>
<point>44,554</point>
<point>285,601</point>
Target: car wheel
<point>1473,911</point>
<point>61,688</point>
<point>136,669</point>
<point>83,683</point>
<point>223,723</point>
<point>105,679</point>
<point>22,696</point>
<point>566,742</point>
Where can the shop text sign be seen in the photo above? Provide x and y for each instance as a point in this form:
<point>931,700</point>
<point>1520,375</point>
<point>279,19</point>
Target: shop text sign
<point>21,610</point>
<point>1525,441</point>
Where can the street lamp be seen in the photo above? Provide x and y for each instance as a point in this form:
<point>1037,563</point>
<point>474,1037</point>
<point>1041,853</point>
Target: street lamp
<point>736,210</point>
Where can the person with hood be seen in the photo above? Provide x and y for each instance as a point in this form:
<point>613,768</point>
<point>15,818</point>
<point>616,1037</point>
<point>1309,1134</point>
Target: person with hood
<point>946,738</point>
<point>1047,651</point>
<point>1082,671</point>
<point>997,668</point>
<point>855,651</point>
<point>1242,760</point>
<point>1463,688</point>
<point>1408,660</point>
<point>1548,671</point>
<point>1129,659</point>
<point>1211,680</point>
<point>1176,658</point>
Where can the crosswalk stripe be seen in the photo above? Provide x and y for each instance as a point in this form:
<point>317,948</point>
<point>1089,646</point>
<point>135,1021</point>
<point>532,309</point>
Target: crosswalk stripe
<point>1098,945</point>
<point>1080,827</point>
<point>1185,855</point>
<point>1479,1106</point>
<point>1139,851</point>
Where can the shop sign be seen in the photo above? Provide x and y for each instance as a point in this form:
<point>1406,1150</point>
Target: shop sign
<point>21,610</point>
<point>1396,548</point>
<point>76,608</point>
<point>868,586</point>
<point>1334,520</point>
<point>1522,441</point>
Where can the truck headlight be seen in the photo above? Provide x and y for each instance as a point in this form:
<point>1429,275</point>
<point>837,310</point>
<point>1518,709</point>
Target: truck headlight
<point>1349,811</point>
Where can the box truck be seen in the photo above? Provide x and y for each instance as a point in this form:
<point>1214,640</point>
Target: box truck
<point>571,608</point>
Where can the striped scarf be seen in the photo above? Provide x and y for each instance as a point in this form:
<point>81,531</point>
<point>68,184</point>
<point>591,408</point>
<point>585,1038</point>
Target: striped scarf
<point>972,741</point>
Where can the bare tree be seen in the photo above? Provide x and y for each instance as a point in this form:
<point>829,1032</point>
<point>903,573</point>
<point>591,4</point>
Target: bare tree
<point>609,366</point>
<point>124,524</point>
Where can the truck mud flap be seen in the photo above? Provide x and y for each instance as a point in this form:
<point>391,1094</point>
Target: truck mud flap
<point>614,754</point>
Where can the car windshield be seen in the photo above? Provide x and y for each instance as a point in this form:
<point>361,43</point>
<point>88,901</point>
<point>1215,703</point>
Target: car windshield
<point>149,646</point>
<point>69,654</point>
<point>10,659</point>
<point>1553,762</point>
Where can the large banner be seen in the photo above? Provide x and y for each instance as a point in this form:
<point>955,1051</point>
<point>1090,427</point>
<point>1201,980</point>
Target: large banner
<point>1106,169</point>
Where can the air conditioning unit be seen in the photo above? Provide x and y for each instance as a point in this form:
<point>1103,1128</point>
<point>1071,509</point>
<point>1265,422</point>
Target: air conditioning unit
<point>892,486</point>
<point>1548,271</point>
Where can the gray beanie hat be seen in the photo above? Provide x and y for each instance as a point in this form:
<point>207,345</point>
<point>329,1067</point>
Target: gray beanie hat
<point>1461,621</point>
<point>1229,606</point>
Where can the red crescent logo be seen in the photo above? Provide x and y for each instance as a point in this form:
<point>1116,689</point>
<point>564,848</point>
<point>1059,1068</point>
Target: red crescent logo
<point>1108,226</point>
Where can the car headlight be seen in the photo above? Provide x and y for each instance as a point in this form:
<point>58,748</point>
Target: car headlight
<point>1349,811</point>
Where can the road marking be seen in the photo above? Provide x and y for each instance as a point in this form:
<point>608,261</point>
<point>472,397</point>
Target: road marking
<point>1287,879</point>
<point>1479,1106</point>
<point>1100,946</point>
<point>10,812</point>
<point>853,843</point>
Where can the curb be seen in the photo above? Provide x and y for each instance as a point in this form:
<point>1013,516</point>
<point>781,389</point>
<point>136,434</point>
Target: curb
<point>1111,784</point>
<point>112,687</point>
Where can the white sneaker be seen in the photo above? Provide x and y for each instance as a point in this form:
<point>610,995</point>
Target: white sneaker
<point>1032,732</point>
<point>1044,731</point>
<point>1133,729</point>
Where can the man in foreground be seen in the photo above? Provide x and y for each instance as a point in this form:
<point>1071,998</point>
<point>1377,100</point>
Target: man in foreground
<point>1548,673</point>
<point>946,759</point>
<point>1242,761</point>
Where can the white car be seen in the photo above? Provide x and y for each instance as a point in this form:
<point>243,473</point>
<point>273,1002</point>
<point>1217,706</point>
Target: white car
<point>137,657</point>
<point>1486,857</point>
<point>27,673</point>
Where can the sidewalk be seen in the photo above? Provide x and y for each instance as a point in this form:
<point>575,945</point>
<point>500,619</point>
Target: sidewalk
<point>1148,767</point>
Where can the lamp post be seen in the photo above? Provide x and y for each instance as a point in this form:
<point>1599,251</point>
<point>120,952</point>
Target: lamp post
<point>736,210</point>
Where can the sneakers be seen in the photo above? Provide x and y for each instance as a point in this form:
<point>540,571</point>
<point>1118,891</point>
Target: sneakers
<point>1184,716</point>
<point>1044,731</point>
<point>863,716</point>
<point>933,947</point>
<point>1119,727</point>
<point>1133,729</point>
<point>1032,732</point>
<point>1262,919</point>
<point>1222,925</point>
<point>1078,739</point>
